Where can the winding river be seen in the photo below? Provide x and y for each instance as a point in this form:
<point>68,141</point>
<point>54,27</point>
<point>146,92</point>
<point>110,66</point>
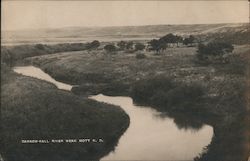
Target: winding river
<point>150,136</point>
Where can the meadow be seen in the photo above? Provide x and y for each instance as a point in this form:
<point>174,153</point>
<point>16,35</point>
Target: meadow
<point>213,93</point>
<point>174,81</point>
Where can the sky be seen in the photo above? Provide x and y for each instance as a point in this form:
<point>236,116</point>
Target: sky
<point>18,15</point>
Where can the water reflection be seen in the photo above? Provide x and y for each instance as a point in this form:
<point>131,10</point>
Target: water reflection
<point>184,121</point>
<point>153,137</point>
<point>230,141</point>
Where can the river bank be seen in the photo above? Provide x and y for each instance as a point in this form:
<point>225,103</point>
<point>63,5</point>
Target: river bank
<point>145,119</point>
<point>32,109</point>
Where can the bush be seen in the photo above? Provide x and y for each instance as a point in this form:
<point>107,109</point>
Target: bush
<point>93,45</point>
<point>121,45</point>
<point>214,51</point>
<point>39,46</point>
<point>130,45</point>
<point>140,56</point>
<point>236,65</point>
<point>189,40</point>
<point>110,48</point>
<point>167,94</point>
<point>139,46</point>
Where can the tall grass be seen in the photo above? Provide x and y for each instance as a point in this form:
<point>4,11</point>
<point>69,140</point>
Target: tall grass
<point>10,54</point>
<point>167,94</point>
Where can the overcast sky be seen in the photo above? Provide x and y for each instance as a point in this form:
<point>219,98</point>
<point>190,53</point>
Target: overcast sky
<point>55,14</point>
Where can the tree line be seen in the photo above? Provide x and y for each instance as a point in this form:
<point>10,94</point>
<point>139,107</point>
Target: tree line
<point>154,45</point>
<point>208,51</point>
<point>205,51</point>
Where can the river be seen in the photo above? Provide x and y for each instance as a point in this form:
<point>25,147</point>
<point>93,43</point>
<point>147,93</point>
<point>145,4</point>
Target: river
<point>149,135</point>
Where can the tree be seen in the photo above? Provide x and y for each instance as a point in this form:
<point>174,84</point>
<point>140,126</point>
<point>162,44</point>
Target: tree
<point>139,46</point>
<point>110,48</point>
<point>157,45</point>
<point>121,45</point>
<point>189,40</point>
<point>154,45</point>
<point>171,38</point>
<point>93,45</point>
<point>178,39</point>
<point>129,45</point>
<point>186,41</point>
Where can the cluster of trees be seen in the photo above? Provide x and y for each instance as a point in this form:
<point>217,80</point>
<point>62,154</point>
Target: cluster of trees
<point>154,45</point>
<point>189,40</point>
<point>123,45</point>
<point>206,52</point>
<point>165,41</point>
<point>93,45</point>
<point>171,39</point>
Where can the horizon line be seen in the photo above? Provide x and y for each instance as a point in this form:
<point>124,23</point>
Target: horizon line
<point>173,24</point>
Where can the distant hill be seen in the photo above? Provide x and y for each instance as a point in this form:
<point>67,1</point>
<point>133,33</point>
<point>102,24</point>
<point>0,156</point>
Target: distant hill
<point>83,34</point>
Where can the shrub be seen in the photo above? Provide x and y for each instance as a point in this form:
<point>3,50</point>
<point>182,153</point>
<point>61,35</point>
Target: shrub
<point>145,89</point>
<point>39,46</point>
<point>121,45</point>
<point>93,45</point>
<point>130,45</point>
<point>236,65</point>
<point>214,51</point>
<point>110,48</point>
<point>167,94</point>
<point>189,40</point>
<point>139,46</point>
<point>140,56</point>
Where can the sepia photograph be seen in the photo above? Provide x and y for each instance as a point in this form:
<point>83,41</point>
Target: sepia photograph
<point>125,80</point>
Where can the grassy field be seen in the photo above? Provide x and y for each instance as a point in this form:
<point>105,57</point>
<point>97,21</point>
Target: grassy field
<point>217,93</point>
<point>119,74</point>
<point>34,109</point>
<point>222,104</point>
<point>98,68</point>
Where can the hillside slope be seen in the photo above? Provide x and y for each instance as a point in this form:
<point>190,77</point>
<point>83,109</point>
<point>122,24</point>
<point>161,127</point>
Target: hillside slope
<point>83,34</point>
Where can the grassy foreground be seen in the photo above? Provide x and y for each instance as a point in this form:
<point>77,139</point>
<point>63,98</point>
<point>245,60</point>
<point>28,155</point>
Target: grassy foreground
<point>217,92</point>
<point>34,109</point>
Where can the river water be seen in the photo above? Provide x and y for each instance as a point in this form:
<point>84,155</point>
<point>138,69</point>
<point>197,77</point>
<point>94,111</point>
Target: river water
<point>149,135</point>
<point>35,72</point>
